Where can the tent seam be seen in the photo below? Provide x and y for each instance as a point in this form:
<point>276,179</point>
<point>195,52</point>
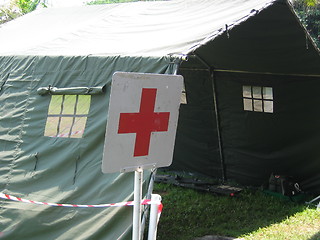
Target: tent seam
<point>267,73</point>
<point>19,141</point>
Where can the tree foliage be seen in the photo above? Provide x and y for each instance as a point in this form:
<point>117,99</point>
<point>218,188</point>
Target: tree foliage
<point>8,13</point>
<point>309,13</point>
<point>17,8</point>
<point>27,6</point>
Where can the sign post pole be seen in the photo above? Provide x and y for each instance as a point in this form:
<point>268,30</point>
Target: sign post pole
<point>136,226</point>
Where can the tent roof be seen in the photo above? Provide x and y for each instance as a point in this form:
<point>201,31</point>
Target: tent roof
<point>155,28</point>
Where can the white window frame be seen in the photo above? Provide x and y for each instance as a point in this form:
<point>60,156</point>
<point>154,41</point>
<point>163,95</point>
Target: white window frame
<point>257,99</point>
<point>70,124</point>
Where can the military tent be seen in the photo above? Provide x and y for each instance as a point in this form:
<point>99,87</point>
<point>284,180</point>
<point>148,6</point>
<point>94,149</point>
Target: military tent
<point>251,84</point>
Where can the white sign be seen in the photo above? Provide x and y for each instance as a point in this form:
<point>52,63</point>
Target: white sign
<point>142,121</point>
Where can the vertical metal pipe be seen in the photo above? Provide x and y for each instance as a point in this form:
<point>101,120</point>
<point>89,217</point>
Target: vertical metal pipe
<point>154,216</point>
<point>136,225</point>
<point>217,115</point>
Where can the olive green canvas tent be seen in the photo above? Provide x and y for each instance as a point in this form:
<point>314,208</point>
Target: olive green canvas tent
<point>251,78</point>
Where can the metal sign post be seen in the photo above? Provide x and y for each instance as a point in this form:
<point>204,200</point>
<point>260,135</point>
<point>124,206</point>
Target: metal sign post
<point>138,176</point>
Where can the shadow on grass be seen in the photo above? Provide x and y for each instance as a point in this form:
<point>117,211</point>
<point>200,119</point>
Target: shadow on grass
<point>315,237</point>
<point>189,214</point>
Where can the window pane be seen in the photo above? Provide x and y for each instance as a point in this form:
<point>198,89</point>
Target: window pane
<point>268,106</point>
<point>246,91</point>
<point>65,126</point>
<point>51,127</point>
<point>267,93</point>
<point>55,105</point>
<point>257,92</point>
<point>70,123</point>
<point>183,98</point>
<point>69,104</point>
<point>247,104</point>
<point>78,127</point>
<point>257,105</point>
<point>83,104</point>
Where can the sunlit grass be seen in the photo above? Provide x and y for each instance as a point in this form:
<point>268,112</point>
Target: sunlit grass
<point>251,215</point>
<point>300,226</point>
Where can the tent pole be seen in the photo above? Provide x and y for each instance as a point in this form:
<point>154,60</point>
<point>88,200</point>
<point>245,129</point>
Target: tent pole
<point>217,115</point>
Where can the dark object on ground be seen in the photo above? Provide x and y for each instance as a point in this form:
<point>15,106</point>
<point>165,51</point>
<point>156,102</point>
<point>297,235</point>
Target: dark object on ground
<point>286,185</point>
<point>197,184</point>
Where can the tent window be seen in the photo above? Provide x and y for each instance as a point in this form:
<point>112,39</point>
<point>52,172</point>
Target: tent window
<point>257,99</point>
<point>67,116</point>
<point>183,99</point>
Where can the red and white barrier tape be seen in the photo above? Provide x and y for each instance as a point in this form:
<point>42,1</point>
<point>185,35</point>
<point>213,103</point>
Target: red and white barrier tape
<point>121,204</point>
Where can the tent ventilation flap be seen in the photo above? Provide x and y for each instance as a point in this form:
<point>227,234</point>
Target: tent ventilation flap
<point>71,91</point>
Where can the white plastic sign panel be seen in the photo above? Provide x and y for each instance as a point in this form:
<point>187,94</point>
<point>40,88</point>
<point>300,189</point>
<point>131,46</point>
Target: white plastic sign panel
<point>142,121</point>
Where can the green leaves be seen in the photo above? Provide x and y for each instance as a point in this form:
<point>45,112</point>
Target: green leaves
<point>8,13</point>
<point>311,3</point>
<point>17,8</point>
<point>309,13</point>
<point>27,6</point>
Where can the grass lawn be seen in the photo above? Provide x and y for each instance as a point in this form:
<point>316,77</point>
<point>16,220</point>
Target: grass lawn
<point>188,214</point>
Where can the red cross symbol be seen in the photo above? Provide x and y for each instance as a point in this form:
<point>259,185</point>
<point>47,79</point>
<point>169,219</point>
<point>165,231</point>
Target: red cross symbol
<point>144,122</point>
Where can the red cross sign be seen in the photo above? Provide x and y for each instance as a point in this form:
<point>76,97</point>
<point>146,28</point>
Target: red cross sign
<point>142,121</point>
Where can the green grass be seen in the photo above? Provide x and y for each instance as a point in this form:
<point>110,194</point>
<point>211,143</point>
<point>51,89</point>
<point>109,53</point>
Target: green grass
<point>188,214</point>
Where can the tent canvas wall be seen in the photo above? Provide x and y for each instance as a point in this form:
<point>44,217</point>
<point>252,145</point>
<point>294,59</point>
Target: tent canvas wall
<point>51,145</point>
<point>51,149</point>
<point>249,135</point>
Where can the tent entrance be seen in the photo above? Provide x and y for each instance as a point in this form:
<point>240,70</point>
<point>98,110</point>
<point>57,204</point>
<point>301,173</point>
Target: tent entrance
<point>197,141</point>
